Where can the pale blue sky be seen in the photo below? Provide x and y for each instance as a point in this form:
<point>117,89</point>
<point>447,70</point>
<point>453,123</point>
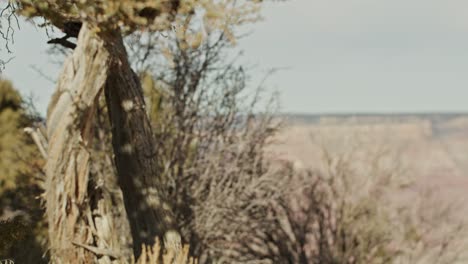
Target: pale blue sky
<point>341,55</point>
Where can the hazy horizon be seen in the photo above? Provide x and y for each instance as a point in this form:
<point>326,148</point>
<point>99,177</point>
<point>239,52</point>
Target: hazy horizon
<point>358,56</point>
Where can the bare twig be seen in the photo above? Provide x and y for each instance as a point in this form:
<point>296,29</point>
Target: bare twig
<point>98,251</point>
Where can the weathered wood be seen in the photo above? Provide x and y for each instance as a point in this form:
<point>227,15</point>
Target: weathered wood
<point>98,63</point>
<point>77,208</point>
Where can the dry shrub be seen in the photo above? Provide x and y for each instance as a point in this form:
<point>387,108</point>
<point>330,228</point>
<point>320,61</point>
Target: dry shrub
<point>210,142</point>
<point>347,212</point>
<point>154,255</point>
<point>429,232</point>
<point>212,163</point>
<point>236,205</point>
<point>246,208</point>
<point>341,214</point>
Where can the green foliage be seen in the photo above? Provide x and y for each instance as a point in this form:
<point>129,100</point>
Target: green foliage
<point>129,14</point>
<point>16,150</point>
<point>132,15</point>
<point>11,230</point>
<point>20,164</point>
<point>156,99</point>
<point>9,98</point>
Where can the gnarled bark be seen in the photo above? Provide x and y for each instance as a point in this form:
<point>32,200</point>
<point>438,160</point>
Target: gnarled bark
<point>83,224</point>
<point>86,222</point>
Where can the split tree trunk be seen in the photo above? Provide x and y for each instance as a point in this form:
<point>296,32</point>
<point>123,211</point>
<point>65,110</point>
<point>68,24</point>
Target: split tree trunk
<point>85,223</point>
<point>84,226</point>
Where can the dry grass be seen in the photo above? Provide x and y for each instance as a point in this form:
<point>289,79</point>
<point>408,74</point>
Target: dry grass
<point>152,255</point>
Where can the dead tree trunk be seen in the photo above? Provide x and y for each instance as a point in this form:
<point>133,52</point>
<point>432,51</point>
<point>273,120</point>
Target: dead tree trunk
<point>82,225</point>
<point>86,220</point>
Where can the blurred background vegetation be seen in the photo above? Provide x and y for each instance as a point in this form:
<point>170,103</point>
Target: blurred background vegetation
<point>23,235</point>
